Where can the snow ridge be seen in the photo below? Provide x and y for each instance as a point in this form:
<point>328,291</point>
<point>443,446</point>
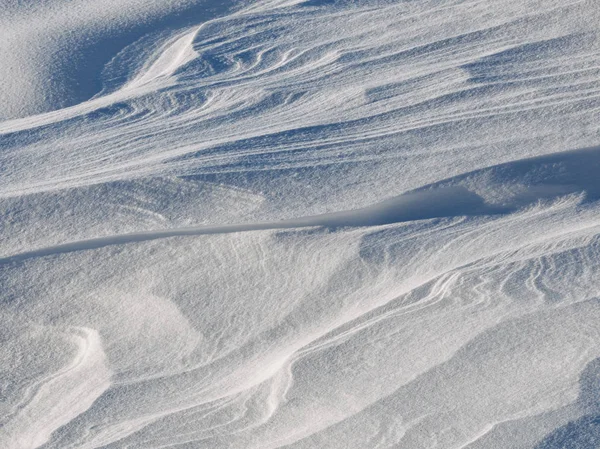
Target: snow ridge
<point>283,223</point>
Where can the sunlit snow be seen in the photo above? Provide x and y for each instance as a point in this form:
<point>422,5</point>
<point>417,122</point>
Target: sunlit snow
<point>301,224</point>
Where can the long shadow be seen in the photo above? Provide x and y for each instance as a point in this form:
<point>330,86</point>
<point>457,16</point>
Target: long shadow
<point>444,202</point>
<point>546,177</point>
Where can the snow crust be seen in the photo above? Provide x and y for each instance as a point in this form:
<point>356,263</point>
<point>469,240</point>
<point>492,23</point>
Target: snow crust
<point>300,224</point>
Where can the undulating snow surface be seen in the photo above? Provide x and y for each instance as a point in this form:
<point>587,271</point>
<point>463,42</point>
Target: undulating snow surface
<point>301,224</point>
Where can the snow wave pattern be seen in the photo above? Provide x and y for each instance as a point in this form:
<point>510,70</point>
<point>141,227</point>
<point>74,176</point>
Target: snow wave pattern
<point>341,224</point>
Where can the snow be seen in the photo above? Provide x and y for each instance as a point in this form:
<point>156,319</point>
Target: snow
<point>303,224</point>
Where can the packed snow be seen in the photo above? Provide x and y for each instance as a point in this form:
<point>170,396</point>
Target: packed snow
<point>300,224</point>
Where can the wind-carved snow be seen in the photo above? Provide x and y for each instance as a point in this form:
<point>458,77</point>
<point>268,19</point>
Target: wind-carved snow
<point>303,224</point>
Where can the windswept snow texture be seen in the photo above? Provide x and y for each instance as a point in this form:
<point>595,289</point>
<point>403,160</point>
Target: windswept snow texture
<point>301,224</point>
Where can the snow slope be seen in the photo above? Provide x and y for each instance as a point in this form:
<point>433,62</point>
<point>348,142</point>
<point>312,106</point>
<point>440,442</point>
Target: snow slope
<point>300,224</point>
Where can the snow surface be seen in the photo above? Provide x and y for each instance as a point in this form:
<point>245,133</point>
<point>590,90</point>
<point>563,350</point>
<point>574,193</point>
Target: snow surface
<point>301,224</point>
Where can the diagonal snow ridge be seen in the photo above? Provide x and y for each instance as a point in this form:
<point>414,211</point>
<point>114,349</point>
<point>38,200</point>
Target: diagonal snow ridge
<point>568,173</point>
<point>299,223</point>
<point>446,202</point>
